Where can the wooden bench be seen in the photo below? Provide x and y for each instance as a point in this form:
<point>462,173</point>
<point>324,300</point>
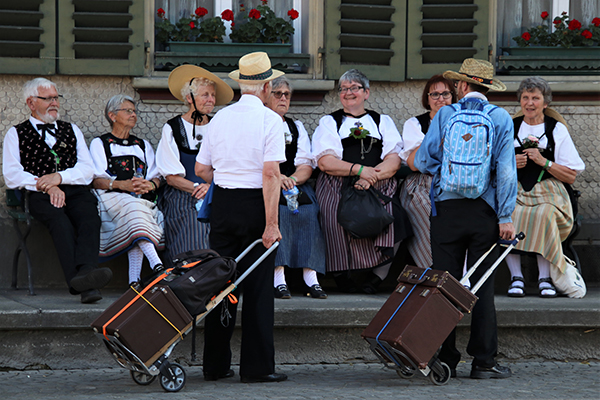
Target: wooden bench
<point>17,203</point>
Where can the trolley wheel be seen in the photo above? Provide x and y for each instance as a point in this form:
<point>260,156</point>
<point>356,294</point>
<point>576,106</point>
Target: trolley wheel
<point>141,378</point>
<point>176,383</point>
<point>405,374</point>
<point>440,379</point>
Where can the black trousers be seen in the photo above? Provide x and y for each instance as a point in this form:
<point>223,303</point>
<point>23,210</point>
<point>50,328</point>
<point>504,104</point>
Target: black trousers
<point>75,228</point>
<point>237,219</point>
<point>460,226</point>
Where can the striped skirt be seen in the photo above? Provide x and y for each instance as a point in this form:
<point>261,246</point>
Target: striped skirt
<point>125,220</point>
<point>183,231</point>
<point>302,245</point>
<point>343,251</point>
<point>414,196</point>
<point>545,216</point>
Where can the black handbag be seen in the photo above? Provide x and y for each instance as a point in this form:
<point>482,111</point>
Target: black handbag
<point>362,212</point>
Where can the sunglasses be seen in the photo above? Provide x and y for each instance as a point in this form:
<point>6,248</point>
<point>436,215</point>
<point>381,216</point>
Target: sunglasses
<point>278,94</point>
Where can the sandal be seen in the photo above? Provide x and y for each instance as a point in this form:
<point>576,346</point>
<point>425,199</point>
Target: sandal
<point>548,290</point>
<point>516,290</point>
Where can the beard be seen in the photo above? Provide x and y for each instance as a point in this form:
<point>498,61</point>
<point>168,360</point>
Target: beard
<point>49,118</point>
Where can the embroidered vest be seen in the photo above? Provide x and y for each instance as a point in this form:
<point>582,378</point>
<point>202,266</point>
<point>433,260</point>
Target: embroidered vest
<point>187,155</point>
<point>36,155</point>
<point>365,151</point>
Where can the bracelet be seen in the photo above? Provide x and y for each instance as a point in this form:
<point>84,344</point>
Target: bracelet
<point>360,170</point>
<point>295,180</point>
<point>350,174</point>
<point>110,184</point>
<point>153,184</point>
<point>546,165</point>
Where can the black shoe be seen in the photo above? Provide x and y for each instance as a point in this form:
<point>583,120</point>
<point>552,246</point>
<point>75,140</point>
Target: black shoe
<point>274,377</point>
<point>216,377</point>
<point>371,284</point>
<point>452,372</point>
<point>94,278</point>
<point>282,292</point>
<point>90,296</point>
<point>316,292</point>
<point>344,283</point>
<point>495,372</point>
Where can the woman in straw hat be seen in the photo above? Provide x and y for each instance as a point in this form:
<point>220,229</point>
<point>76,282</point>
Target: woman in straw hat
<point>176,154</point>
<point>547,163</point>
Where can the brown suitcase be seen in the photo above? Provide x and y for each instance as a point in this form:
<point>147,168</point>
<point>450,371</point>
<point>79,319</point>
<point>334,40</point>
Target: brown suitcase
<point>145,329</point>
<point>415,322</point>
<point>446,283</point>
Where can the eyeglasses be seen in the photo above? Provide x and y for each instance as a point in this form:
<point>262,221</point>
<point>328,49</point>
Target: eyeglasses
<point>353,89</point>
<point>50,99</point>
<point>436,95</point>
<point>127,110</point>
<point>278,95</point>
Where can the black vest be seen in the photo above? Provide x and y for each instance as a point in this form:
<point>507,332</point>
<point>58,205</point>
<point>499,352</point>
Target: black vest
<point>424,120</point>
<point>37,157</point>
<point>291,149</point>
<point>365,151</point>
<point>187,155</point>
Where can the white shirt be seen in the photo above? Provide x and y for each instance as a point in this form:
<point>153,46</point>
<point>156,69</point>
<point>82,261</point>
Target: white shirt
<point>326,139</point>
<point>412,135</point>
<point>167,153</point>
<point>304,154</point>
<point>565,152</point>
<point>101,163</point>
<point>15,176</point>
<point>240,139</point>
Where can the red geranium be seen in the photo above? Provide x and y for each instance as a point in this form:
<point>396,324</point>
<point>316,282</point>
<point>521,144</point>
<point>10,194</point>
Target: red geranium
<point>254,13</point>
<point>545,15</point>
<point>557,21</point>
<point>526,36</point>
<point>201,12</point>
<point>160,12</point>
<point>192,24</point>
<point>596,21</point>
<point>264,2</point>
<point>293,14</point>
<point>586,34</point>
<point>227,15</point>
<point>574,25</point>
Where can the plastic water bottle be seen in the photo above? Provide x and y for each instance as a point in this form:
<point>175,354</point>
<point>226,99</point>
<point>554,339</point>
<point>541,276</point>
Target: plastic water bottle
<point>139,173</point>
<point>291,196</point>
<point>199,201</point>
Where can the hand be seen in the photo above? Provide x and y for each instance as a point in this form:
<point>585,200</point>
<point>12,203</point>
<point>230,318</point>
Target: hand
<point>141,185</point>
<point>271,235</point>
<point>46,182</point>
<point>57,197</point>
<point>534,155</point>
<point>362,184</point>
<point>507,231</point>
<point>200,191</point>
<point>369,174</point>
<point>521,160</point>
<point>287,183</point>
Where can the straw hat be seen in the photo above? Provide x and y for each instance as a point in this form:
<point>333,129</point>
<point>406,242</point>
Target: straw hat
<point>552,113</point>
<point>479,72</point>
<point>255,68</point>
<point>185,73</point>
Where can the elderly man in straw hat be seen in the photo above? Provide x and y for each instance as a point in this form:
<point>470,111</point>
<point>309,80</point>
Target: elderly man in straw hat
<point>463,222</point>
<point>241,153</point>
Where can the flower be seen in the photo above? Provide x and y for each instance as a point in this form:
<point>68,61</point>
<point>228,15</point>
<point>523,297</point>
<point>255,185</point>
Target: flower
<point>293,14</point>
<point>195,28</point>
<point>201,12</point>
<point>160,12</point>
<point>227,15</point>
<point>254,13</point>
<point>531,141</point>
<point>358,132</point>
<point>192,24</point>
<point>565,32</point>
<point>261,25</point>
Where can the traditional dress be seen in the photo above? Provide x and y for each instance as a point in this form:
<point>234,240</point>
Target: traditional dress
<point>302,245</point>
<point>176,155</point>
<point>344,252</point>
<point>125,217</point>
<point>543,211</point>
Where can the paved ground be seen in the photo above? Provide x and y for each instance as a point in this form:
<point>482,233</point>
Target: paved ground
<point>531,380</point>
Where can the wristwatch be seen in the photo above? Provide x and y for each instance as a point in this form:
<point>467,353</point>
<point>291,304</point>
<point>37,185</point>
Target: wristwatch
<point>549,165</point>
<point>110,184</point>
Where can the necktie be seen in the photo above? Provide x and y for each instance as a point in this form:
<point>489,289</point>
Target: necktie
<point>46,128</point>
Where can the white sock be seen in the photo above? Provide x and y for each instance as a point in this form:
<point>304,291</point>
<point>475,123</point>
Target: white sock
<point>514,265</point>
<point>136,256</point>
<point>543,267</point>
<point>310,277</point>
<point>382,271</point>
<point>279,276</point>
<point>150,252</point>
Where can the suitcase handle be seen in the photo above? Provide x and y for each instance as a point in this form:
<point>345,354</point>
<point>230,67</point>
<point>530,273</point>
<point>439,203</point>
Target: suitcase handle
<point>415,279</point>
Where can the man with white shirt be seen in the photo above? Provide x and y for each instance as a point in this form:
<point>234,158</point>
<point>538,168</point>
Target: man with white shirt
<point>241,151</point>
<point>50,158</point>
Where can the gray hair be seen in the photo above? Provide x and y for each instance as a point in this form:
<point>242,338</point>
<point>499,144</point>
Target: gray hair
<point>281,81</point>
<point>354,75</point>
<point>254,89</point>
<point>113,105</point>
<point>197,83</point>
<point>532,83</point>
<point>31,88</point>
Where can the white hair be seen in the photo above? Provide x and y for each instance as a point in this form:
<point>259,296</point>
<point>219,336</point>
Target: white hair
<point>194,86</point>
<point>31,88</point>
<point>255,89</point>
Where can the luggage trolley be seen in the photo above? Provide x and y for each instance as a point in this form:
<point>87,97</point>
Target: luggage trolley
<point>407,333</point>
<point>172,375</point>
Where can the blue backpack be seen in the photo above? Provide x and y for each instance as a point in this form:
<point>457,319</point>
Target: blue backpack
<point>468,138</point>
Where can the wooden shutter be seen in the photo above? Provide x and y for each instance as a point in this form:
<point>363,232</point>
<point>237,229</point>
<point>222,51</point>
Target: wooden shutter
<point>442,33</point>
<point>101,37</point>
<point>27,37</point>
<point>368,35</point>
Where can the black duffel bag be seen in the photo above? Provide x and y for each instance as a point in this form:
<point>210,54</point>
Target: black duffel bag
<point>199,275</point>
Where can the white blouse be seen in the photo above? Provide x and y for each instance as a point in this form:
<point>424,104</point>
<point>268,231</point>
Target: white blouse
<point>304,154</point>
<point>326,139</point>
<point>167,153</point>
<point>101,163</point>
<point>565,152</point>
<point>412,135</point>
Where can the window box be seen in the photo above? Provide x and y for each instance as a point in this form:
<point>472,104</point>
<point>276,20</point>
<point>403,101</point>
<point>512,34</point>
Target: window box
<point>549,61</point>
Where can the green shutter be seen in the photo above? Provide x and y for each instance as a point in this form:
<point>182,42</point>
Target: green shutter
<point>368,35</point>
<point>442,33</point>
<point>101,37</point>
<point>27,37</point>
